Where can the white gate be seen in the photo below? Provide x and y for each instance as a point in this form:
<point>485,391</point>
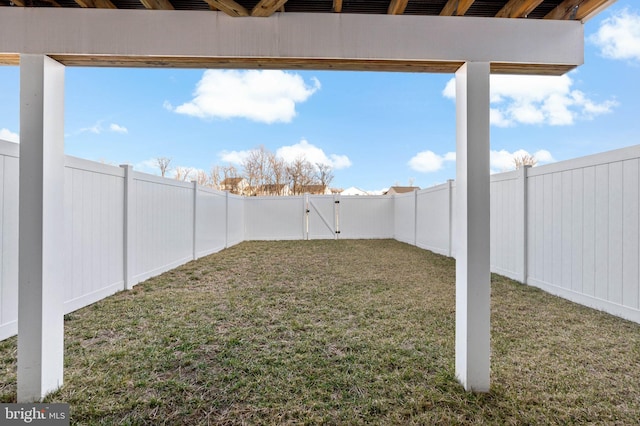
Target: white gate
<point>322,213</point>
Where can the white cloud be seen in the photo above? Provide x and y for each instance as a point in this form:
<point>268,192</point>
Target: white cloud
<point>313,154</point>
<point>289,153</point>
<point>8,135</point>
<point>449,90</point>
<point>502,161</point>
<point>147,166</point>
<point>619,36</point>
<point>428,161</point>
<point>265,96</point>
<point>95,129</point>
<point>517,99</point>
<point>234,157</point>
<point>118,128</point>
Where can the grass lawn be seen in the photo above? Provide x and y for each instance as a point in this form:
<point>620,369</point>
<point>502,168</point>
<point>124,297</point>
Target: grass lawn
<point>337,332</point>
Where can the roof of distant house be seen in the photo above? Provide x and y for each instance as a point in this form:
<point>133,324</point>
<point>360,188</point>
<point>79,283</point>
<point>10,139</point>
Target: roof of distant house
<point>232,181</point>
<point>401,189</point>
<point>354,191</point>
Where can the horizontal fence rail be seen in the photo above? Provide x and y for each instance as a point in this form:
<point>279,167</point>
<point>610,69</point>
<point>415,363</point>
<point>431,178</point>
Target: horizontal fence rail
<point>570,228</point>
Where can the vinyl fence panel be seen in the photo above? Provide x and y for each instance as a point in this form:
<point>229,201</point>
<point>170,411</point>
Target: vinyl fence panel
<point>367,217</point>
<point>235,220</point>
<point>163,225</point>
<point>434,217</point>
<point>582,230</point>
<point>94,246</point>
<point>275,218</point>
<point>405,217</point>
<point>507,224</point>
<point>211,213</point>
<point>9,165</point>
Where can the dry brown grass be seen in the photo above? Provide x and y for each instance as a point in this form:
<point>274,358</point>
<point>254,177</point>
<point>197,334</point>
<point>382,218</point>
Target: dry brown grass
<point>339,332</point>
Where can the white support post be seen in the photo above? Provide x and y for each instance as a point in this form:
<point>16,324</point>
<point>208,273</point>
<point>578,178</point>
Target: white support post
<point>40,295</point>
<point>226,219</point>
<point>451,215</point>
<point>522,211</point>
<point>128,226</point>
<point>195,220</point>
<point>473,277</point>
<point>305,223</point>
<point>415,218</point>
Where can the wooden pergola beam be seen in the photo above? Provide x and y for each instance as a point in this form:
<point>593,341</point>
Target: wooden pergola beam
<point>104,4</point>
<point>518,8</point>
<point>456,7</point>
<point>581,10</point>
<point>157,4</point>
<point>397,7</point>
<point>266,8</point>
<point>229,7</point>
<point>100,4</point>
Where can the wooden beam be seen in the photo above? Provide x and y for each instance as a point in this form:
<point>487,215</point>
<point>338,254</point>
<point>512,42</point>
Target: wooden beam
<point>580,10</point>
<point>157,4</point>
<point>397,7</point>
<point>456,7</point>
<point>9,59</point>
<point>266,8</point>
<point>100,4</point>
<point>308,35</point>
<point>229,7</point>
<point>518,8</point>
<point>440,67</point>
<point>104,4</point>
<point>337,6</point>
<point>18,3</point>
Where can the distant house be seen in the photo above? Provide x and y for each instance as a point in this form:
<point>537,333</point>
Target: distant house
<point>315,189</point>
<point>235,185</point>
<point>354,191</point>
<point>401,189</point>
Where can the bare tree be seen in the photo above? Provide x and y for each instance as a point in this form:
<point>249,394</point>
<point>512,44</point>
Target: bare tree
<point>216,177</point>
<point>301,173</point>
<point>183,173</point>
<point>202,178</point>
<point>278,174</point>
<point>324,174</point>
<point>524,160</point>
<point>163,165</point>
<point>229,172</point>
<point>256,169</point>
<point>412,181</point>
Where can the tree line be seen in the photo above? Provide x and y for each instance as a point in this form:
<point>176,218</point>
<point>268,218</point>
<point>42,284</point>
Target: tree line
<point>261,173</point>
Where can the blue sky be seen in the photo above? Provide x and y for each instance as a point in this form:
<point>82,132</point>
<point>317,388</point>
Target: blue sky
<point>375,129</point>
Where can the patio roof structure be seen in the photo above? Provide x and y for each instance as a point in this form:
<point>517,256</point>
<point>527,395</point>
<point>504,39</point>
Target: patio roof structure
<point>466,37</point>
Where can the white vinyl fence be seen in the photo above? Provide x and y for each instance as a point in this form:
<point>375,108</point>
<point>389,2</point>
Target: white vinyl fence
<point>121,227</point>
<point>9,164</point>
<point>310,217</point>
<point>571,228</point>
<point>583,233</point>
